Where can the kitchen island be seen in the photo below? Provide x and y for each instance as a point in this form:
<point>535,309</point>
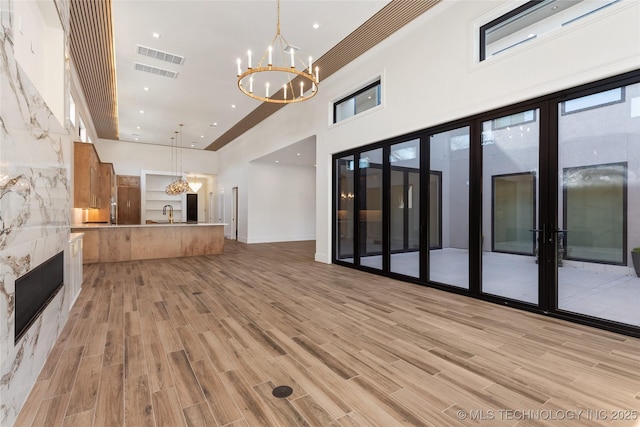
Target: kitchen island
<point>110,243</point>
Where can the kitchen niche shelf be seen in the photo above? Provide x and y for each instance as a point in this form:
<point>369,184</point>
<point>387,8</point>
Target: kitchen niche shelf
<point>154,197</point>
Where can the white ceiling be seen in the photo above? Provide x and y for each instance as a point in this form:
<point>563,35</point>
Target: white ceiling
<point>211,35</point>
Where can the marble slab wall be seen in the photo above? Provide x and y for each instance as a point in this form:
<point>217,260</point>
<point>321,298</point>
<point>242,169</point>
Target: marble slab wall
<point>35,158</point>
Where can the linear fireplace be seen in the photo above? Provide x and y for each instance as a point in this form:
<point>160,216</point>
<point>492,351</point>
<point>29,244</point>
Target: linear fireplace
<point>35,290</point>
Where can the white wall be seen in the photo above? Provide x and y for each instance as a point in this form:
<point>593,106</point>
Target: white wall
<point>130,158</point>
<point>39,48</point>
<point>282,204</point>
<point>430,76</point>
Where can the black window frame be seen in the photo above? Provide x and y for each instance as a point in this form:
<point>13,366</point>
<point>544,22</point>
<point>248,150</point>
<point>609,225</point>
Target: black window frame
<point>377,83</point>
<point>500,20</point>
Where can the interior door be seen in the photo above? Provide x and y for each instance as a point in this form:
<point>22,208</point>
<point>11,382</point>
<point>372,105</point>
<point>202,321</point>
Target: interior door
<point>234,213</point>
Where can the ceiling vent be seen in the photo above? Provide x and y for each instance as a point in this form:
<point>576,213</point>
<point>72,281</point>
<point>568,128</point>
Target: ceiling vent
<point>162,56</point>
<point>155,70</point>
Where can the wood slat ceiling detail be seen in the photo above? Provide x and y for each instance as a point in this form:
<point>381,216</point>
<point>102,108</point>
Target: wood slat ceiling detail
<point>93,51</point>
<point>388,20</point>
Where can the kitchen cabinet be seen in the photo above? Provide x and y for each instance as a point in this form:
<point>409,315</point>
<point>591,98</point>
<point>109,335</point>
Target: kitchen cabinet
<point>106,193</point>
<point>86,176</point>
<point>128,200</point>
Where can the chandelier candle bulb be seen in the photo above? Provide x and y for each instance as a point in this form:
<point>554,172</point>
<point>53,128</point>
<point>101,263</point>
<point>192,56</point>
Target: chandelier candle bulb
<point>249,55</point>
<point>310,68</point>
<point>251,84</point>
<point>285,90</point>
<point>301,89</point>
<point>267,90</point>
<point>317,75</point>
<point>270,56</point>
<point>293,62</point>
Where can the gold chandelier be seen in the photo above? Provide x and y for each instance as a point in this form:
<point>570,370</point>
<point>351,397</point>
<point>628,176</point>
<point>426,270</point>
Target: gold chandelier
<point>178,186</point>
<point>282,82</point>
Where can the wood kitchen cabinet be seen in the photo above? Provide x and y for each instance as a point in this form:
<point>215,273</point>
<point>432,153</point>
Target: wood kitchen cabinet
<point>86,180</point>
<point>106,193</point>
<point>128,199</point>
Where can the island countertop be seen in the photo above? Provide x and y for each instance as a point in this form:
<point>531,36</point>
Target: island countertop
<point>154,224</point>
<point>110,243</point>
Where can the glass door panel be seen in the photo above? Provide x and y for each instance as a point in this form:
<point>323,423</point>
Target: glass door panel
<point>510,151</point>
<point>435,210</point>
<point>370,202</point>
<point>449,208</point>
<point>599,205</point>
<point>404,208</point>
<point>345,209</point>
<point>514,213</point>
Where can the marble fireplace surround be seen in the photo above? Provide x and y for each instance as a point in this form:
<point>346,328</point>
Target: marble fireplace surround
<point>35,154</point>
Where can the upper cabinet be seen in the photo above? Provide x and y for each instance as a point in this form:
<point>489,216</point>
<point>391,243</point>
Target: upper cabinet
<point>106,193</point>
<point>86,176</point>
<point>94,183</point>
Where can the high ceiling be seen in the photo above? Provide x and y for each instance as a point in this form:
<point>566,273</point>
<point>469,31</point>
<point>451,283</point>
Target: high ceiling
<point>210,35</point>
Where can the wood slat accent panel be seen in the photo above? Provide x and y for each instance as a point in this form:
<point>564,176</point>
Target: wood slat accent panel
<point>92,50</point>
<point>388,20</point>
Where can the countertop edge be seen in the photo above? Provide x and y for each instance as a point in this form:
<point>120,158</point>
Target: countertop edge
<point>89,226</point>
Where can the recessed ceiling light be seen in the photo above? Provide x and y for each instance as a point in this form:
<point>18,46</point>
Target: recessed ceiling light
<point>201,136</point>
<point>316,26</point>
<point>298,154</point>
<point>141,111</point>
<point>136,139</point>
<point>233,105</point>
<point>214,124</point>
<point>277,161</point>
<point>146,88</point>
<point>137,127</point>
<point>193,145</point>
<point>156,35</point>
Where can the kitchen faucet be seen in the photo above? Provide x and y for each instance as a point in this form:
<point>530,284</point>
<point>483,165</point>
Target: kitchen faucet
<point>164,212</point>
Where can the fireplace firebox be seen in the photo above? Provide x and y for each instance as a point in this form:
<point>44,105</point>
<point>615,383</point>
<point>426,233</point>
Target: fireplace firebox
<point>35,289</point>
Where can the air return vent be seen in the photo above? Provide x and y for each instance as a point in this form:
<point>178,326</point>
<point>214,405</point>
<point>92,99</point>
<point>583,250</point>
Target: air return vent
<point>155,70</point>
<point>162,56</point>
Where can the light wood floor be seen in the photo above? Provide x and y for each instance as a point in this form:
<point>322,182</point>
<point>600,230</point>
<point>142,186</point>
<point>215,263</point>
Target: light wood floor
<point>202,341</point>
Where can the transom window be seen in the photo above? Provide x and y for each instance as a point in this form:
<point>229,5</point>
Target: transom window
<point>600,99</point>
<point>532,19</point>
<point>357,102</point>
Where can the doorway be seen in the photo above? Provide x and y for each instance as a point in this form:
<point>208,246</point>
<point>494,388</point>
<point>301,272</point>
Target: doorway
<point>192,207</point>
<point>234,213</point>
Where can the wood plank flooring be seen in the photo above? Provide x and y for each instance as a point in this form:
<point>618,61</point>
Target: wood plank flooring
<point>202,341</point>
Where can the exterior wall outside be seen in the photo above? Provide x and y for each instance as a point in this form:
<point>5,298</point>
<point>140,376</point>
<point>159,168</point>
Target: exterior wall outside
<point>418,91</point>
<point>35,154</point>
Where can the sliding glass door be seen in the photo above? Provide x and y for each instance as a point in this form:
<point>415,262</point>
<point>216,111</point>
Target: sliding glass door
<point>536,205</point>
<point>404,208</point>
<point>599,204</point>
<point>510,153</point>
<point>344,221</point>
<point>449,207</point>
<point>370,212</point>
